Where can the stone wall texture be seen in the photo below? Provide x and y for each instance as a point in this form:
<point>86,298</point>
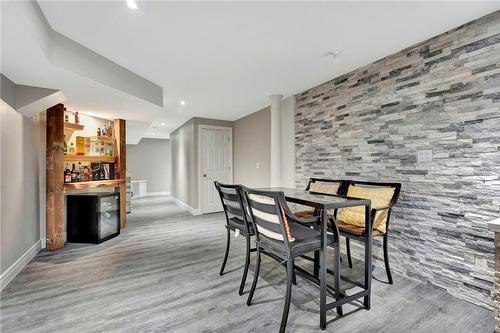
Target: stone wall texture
<point>496,296</point>
<point>428,117</point>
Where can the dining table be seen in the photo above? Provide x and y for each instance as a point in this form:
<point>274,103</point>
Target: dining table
<point>324,205</point>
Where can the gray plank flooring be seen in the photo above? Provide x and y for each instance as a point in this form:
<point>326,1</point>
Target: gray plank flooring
<point>161,275</point>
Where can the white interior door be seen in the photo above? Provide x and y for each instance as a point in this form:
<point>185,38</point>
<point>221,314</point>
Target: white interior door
<point>216,163</point>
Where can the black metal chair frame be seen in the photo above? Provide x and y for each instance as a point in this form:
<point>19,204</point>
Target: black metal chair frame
<point>343,185</point>
<point>288,259</point>
<point>247,233</point>
<point>374,211</point>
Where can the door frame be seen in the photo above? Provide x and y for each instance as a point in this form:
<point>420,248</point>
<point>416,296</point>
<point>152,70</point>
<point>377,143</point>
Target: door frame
<point>201,209</point>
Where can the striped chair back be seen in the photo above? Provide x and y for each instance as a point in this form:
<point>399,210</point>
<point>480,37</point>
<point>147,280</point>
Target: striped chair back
<point>232,200</point>
<point>267,212</point>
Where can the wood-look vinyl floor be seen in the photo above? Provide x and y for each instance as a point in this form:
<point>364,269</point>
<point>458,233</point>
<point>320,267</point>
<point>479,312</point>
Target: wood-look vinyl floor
<point>161,275</point>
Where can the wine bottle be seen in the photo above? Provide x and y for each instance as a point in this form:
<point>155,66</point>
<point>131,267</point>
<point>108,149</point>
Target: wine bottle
<point>73,174</point>
<point>65,146</point>
<point>67,175</point>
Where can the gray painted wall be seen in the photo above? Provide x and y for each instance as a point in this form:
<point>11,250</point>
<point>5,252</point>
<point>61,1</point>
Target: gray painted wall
<point>252,145</point>
<point>18,186</point>
<point>184,159</point>
<point>150,160</point>
<point>428,117</point>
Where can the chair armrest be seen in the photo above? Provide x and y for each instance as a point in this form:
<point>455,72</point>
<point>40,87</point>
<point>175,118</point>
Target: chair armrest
<point>375,210</point>
<point>307,220</point>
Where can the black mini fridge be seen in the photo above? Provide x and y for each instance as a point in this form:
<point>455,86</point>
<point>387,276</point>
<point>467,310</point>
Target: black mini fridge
<point>93,217</point>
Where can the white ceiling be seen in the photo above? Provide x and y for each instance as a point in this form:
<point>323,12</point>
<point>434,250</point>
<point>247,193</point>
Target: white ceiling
<point>223,58</point>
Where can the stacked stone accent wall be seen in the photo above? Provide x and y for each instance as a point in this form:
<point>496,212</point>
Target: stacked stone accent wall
<point>496,297</point>
<point>428,117</point>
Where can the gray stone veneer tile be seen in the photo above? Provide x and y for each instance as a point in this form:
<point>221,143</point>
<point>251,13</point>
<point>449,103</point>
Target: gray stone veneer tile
<point>428,117</point>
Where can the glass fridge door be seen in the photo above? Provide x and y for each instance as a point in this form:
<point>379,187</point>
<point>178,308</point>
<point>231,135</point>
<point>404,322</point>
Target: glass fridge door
<point>109,216</point>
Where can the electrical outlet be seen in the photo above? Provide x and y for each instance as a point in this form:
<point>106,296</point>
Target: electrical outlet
<point>257,165</point>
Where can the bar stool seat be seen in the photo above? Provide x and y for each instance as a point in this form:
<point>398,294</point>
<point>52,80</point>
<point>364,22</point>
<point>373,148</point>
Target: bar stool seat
<point>305,241</point>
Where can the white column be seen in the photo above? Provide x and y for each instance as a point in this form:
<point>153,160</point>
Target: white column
<point>276,179</point>
<point>288,142</point>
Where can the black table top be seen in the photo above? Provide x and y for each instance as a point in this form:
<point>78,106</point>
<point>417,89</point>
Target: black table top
<point>320,201</point>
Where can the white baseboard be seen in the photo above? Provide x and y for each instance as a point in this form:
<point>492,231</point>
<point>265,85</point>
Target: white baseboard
<point>156,194</point>
<point>192,211</point>
<point>18,266</point>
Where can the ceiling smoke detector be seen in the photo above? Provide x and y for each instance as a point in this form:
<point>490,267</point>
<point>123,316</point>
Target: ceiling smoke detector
<point>334,54</point>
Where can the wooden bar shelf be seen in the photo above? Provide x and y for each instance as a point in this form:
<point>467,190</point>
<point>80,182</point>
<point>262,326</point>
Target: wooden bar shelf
<point>94,184</point>
<point>85,158</point>
<point>59,133</point>
<point>104,138</point>
<point>69,128</point>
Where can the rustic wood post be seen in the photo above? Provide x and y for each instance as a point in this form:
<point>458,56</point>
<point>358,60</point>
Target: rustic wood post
<point>55,178</point>
<point>120,134</point>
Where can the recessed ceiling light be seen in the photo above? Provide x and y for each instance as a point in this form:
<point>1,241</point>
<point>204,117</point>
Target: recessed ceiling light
<point>162,124</point>
<point>183,103</point>
<point>131,4</point>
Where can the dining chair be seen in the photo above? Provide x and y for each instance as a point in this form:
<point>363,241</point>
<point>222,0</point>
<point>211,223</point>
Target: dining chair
<point>322,186</point>
<point>351,221</point>
<point>237,221</point>
<point>280,235</point>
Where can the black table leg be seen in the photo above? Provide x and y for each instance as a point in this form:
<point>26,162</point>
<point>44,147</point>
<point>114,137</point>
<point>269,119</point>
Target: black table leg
<point>322,272</point>
<point>316,264</point>
<point>316,253</point>
<point>368,257</point>
<point>336,269</point>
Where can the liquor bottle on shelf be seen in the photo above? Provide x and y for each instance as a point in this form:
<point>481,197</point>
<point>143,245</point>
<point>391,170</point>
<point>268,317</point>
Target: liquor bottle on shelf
<point>80,172</point>
<point>73,174</point>
<point>87,145</point>
<point>77,118</point>
<point>110,131</point>
<point>96,170</point>
<point>98,131</point>
<point>80,145</point>
<point>65,146</point>
<point>67,175</point>
<point>86,174</point>
<point>72,148</point>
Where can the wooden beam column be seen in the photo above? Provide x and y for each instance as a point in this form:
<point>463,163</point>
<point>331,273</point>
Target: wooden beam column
<point>121,153</point>
<point>55,178</point>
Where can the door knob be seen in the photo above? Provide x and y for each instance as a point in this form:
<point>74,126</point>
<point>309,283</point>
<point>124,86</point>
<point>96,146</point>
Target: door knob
<point>204,175</point>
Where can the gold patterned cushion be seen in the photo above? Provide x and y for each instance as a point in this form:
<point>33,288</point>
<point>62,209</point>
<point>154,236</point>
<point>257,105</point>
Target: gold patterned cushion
<point>379,196</point>
<point>326,187</point>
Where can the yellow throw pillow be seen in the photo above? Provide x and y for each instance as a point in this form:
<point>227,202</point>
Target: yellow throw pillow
<point>379,196</point>
<point>326,187</point>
